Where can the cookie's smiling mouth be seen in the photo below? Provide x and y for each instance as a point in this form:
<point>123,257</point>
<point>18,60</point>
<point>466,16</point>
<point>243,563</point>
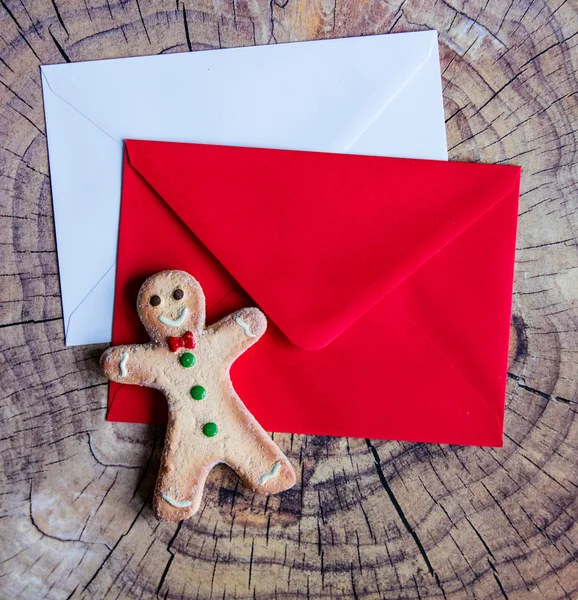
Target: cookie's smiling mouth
<point>174,322</point>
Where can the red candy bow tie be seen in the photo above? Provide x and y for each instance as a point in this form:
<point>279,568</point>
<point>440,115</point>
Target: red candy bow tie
<point>185,341</point>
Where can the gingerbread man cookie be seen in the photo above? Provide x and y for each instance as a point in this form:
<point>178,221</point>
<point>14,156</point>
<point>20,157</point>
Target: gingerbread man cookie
<point>208,423</point>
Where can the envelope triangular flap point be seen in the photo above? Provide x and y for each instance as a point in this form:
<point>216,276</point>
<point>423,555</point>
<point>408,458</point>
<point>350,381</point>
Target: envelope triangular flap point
<point>317,239</point>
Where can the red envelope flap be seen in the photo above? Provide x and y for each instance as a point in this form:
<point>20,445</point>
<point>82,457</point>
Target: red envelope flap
<point>317,239</point>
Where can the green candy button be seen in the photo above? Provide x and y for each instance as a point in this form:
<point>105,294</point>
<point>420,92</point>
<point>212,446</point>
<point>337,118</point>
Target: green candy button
<point>198,392</point>
<point>210,429</point>
<point>187,360</point>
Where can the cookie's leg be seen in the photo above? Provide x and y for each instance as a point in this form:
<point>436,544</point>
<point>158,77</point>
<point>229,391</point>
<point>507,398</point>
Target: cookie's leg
<point>181,479</point>
<point>177,497</point>
<point>260,463</point>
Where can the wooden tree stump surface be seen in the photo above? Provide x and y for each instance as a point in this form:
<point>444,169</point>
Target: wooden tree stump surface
<point>367,519</point>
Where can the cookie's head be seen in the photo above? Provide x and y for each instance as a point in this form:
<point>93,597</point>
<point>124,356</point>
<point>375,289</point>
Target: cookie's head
<point>171,303</point>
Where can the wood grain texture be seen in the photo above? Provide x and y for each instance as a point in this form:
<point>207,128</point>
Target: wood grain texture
<point>366,519</point>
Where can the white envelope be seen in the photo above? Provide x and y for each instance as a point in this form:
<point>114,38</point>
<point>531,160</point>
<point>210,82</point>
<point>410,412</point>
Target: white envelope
<point>377,95</point>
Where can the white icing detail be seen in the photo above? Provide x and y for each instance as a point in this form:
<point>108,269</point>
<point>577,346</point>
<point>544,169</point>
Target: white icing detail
<point>244,326</point>
<point>177,503</point>
<point>266,476</point>
<point>174,322</point>
<point>122,365</point>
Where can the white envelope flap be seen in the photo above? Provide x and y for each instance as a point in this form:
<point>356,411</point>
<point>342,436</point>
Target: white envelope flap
<point>346,84</point>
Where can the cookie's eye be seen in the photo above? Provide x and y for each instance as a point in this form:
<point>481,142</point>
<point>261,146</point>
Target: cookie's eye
<point>178,294</point>
<point>155,300</point>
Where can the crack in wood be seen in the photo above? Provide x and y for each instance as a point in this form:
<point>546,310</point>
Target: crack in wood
<point>121,537</point>
<point>187,36</point>
<point>171,558</point>
<point>11,15</point>
<point>44,533</point>
<point>59,47</point>
<point>19,98</point>
<point>520,382</point>
<point>401,514</point>
<point>143,21</point>
<point>30,321</point>
<point>495,574</point>
<point>117,465</point>
<point>59,16</point>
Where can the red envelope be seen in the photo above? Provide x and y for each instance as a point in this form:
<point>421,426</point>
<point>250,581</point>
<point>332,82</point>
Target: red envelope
<point>387,283</point>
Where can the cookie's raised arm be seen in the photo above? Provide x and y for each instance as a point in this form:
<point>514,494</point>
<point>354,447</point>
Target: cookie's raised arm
<point>241,329</point>
<point>127,364</point>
